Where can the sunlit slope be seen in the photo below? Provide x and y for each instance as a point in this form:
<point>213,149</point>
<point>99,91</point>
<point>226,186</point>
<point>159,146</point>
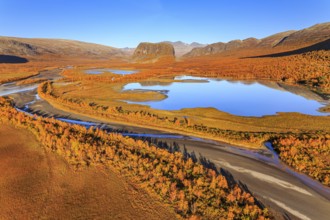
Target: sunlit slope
<point>34,47</point>
<point>37,184</point>
<point>285,41</point>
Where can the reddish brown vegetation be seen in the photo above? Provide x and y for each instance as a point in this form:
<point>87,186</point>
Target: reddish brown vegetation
<point>189,187</point>
<point>14,72</point>
<point>311,150</point>
<point>312,68</point>
<point>146,118</point>
<point>306,153</point>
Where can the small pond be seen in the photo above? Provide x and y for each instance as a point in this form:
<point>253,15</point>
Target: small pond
<point>244,98</point>
<point>115,71</point>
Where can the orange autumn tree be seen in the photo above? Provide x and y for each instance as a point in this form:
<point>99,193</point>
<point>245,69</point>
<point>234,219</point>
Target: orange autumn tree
<point>190,188</point>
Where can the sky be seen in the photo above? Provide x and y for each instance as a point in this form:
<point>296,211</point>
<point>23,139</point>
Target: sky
<point>126,23</point>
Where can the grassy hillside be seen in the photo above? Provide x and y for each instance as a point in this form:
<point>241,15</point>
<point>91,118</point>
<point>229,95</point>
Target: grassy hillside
<point>31,47</point>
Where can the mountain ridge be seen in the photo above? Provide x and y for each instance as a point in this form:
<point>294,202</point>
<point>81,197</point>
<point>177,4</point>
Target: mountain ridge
<point>32,47</point>
<point>288,39</point>
<point>278,42</point>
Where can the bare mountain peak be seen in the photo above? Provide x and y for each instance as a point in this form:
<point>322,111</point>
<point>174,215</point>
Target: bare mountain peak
<point>151,52</point>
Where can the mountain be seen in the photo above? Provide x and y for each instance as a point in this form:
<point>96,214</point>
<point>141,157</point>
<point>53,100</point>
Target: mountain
<point>307,36</point>
<point>182,48</point>
<point>273,40</point>
<point>32,47</point>
<point>146,52</point>
<point>281,41</point>
<point>14,49</point>
<point>217,48</point>
<point>129,51</point>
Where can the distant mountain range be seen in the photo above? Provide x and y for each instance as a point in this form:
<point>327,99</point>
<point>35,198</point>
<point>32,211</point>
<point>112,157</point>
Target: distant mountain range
<point>289,39</point>
<point>317,35</point>
<point>182,48</point>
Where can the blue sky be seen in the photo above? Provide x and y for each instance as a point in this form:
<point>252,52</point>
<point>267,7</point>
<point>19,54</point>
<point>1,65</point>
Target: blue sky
<point>125,23</point>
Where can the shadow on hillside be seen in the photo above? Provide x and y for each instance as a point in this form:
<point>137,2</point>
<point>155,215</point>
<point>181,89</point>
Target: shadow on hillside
<point>324,45</point>
<point>12,59</point>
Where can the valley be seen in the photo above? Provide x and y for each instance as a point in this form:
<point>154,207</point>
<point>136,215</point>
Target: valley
<point>236,130</point>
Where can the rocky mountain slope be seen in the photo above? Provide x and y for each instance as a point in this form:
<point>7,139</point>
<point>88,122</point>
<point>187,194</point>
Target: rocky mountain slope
<point>217,48</point>
<point>146,52</point>
<point>180,47</point>
<point>31,47</point>
<point>285,40</point>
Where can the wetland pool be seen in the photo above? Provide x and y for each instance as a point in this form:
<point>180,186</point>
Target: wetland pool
<point>243,98</point>
<point>115,71</point>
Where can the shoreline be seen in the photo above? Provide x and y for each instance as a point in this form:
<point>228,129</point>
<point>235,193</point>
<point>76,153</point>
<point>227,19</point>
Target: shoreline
<point>134,129</point>
<point>287,189</point>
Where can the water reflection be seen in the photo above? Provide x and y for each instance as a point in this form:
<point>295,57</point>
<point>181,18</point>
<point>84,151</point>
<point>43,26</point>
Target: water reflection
<point>235,97</point>
<point>115,71</point>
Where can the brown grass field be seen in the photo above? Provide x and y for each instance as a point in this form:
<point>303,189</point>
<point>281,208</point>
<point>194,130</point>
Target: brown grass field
<point>36,184</point>
<point>110,95</point>
<point>14,72</point>
<point>99,96</point>
<point>96,95</point>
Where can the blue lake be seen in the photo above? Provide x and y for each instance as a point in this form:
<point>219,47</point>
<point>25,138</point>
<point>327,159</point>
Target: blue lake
<point>244,98</point>
<point>115,71</point>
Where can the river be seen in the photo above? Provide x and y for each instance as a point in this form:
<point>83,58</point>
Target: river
<point>260,171</point>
